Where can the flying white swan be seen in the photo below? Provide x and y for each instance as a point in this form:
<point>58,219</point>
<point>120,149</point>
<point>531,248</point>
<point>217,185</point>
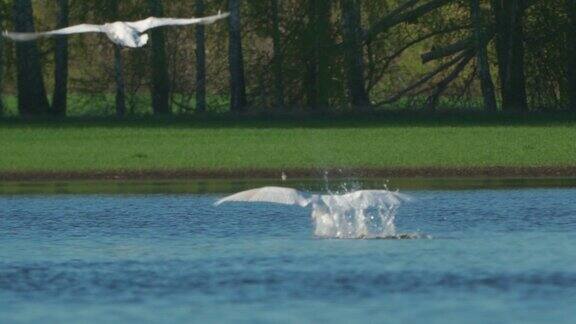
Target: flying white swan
<point>127,34</point>
<point>358,214</point>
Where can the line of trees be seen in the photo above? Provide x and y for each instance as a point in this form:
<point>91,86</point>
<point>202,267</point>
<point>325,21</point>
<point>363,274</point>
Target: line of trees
<point>510,55</point>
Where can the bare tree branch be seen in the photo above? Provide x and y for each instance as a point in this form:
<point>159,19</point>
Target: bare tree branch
<point>425,79</point>
<point>374,78</point>
<point>432,100</point>
<point>398,16</point>
<point>454,48</point>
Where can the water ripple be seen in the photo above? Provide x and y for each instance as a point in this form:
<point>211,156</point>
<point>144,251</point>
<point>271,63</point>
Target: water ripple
<point>128,280</point>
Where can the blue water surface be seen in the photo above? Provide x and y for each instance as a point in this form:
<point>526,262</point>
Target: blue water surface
<point>495,256</point>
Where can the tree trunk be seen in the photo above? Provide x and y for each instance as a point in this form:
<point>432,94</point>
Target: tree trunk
<point>120,89</point>
<point>113,8</point>
<point>32,98</point>
<point>353,53</point>
<point>571,68</point>
<point>1,66</point>
<point>318,65</point>
<point>482,59</point>
<point>238,101</point>
<point>200,60</point>
<point>60,95</point>
<point>160,78</point>
<point>509,16</point>
<point>278,57</point>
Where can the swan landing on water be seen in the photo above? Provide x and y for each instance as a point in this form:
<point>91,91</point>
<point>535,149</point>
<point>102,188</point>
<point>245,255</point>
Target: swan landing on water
<point>127,34</point>
<point>358,214</point>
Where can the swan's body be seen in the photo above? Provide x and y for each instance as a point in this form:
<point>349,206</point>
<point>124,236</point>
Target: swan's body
<point>349,215</point>
<point>127,34</point>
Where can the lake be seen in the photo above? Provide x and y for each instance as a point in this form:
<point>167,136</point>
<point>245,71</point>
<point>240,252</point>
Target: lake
<point>485,255</point>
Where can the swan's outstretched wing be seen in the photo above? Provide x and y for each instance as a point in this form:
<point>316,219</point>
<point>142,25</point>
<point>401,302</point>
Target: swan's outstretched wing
<point>153,22</point>
<point>276,195</point>
<point>78,29</point>
<point>375,198</point>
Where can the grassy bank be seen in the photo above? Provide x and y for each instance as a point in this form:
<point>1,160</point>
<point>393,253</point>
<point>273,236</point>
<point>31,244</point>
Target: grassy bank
<point>229,143</point>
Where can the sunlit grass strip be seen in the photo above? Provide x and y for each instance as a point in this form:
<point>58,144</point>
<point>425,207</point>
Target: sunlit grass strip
<point>255,145</point>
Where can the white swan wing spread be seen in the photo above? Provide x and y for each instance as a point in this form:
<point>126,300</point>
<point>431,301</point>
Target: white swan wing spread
<point>278,195</point>
<point>78,29</point>
<point>153,22</point>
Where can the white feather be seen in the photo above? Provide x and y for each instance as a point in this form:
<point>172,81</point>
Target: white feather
<point>78,29</point>
<point>361,199</point>
<point>153,22</point>
<point>278,195</point>
<point>128,34</point>
<point>370,198</point>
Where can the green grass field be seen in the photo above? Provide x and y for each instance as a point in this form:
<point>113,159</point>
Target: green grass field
<point>216,143</point>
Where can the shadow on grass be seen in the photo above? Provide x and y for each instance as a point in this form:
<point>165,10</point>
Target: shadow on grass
<point>301,119</point>
<point>215,186</point>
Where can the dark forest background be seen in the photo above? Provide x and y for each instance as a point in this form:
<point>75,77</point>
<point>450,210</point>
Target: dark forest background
<point>294,55</point>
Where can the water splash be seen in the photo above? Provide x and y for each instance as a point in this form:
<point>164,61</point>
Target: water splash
<point>351,213</point>
<point>339,218</point>
<point>344,217</point>
<point>348,223</point>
